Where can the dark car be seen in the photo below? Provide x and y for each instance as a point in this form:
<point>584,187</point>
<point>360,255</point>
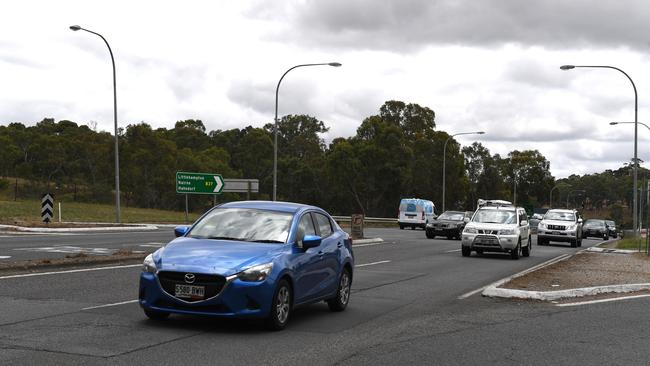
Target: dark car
<point>449,224</point>
<point>611,227</point>
<point>534,221</point>
<point>595,228</point>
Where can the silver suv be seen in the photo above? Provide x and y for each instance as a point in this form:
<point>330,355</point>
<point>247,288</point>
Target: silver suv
<point>560,225</point>
<point>498,229</point>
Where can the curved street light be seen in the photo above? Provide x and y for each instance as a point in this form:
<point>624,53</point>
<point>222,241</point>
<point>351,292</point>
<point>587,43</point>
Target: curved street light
<point>641,123</point>
<point>635,212</point>
<point>550,195</point>
<point>444,161</point>
<point>117,156</point>
<point>275,127</point>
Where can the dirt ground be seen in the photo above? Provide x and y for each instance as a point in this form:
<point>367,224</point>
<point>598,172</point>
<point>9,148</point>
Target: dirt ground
<point>586,269</point>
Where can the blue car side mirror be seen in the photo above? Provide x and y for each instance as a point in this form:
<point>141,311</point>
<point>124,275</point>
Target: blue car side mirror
<point>181,230</point>
<point>310,241</point>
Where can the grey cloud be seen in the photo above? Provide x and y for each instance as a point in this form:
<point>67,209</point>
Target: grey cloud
<point>533,73</point>
<point>186,82</point>
<point>296,99</point>
<point>413,24</point>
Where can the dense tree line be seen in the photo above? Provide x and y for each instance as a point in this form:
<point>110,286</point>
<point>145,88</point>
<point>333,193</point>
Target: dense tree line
<point>394,154</point>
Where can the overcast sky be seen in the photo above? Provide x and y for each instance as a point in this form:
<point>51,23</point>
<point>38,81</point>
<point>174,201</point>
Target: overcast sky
<point>488,65</point>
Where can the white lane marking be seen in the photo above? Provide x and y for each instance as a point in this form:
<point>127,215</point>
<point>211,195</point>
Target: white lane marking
<point>464,296</point>
<point>369,244</point>
<point>69,271</point>
<point>453,251</point>
<point>153,245</point>
<point>5,256</point>
<point>69,249</point>
<point>108,305</point>
<point>603,300</point>
<point>370,264</point>
<point>506,279</point>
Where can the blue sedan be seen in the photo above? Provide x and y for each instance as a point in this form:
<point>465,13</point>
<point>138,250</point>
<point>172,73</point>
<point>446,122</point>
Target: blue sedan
<point>251,259</point>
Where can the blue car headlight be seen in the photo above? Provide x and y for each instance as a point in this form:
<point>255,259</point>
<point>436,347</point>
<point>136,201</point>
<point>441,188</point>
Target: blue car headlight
<point>256,273</point>
<point>148,265</point>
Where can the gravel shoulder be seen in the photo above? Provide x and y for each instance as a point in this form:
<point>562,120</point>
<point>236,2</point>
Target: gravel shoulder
<point>586,269</point>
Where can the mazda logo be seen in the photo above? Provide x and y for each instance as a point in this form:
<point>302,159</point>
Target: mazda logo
<point>190,277</point>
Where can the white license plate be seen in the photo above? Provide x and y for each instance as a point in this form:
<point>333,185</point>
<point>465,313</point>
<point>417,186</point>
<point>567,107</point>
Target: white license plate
<point>189,291</point>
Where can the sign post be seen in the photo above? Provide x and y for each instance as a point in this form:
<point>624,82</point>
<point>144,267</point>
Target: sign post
<point>47,207</point>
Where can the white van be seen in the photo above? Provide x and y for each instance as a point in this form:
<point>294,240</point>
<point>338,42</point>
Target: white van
<point>415,212</point>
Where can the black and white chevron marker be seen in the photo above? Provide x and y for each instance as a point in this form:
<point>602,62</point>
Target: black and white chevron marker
<point>47,204</point>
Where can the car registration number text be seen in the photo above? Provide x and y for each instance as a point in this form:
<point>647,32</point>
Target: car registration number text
<point>189,291</point>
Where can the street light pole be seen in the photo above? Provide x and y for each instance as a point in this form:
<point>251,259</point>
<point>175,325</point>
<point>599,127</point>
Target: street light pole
<point>635,213</point>
<point>550,196</point>
<point>117,156</point>
<point>275,128</point>
<point>444,161</point>
<point>514,200</point>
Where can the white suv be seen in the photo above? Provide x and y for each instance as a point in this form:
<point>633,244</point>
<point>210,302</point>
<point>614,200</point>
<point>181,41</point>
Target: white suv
<point>498,229</point>
<point>560,225</point>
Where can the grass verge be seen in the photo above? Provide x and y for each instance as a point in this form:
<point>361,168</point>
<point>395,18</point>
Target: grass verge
<point>631,244</point>
<point>28,212</point>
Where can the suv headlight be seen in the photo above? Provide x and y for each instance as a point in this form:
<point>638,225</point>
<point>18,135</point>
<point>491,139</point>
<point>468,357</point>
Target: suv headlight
<point>507,232</point>
<point>470,230</point>
<point>571,227</point>
<point>149,265</point>
<point>541,225</point>
<point>256,273</point>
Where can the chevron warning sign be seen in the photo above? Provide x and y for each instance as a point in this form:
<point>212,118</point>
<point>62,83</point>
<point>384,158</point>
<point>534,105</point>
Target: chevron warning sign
<point>47,204</point>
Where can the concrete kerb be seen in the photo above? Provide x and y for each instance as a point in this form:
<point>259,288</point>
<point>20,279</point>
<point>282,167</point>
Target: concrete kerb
<point>493,290</point>
<point>136,227</point>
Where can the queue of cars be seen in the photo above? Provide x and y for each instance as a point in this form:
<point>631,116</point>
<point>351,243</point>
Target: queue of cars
<point>499,226</point>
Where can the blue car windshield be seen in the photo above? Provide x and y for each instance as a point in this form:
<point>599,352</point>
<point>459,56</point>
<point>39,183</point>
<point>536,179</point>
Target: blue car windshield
<point>243,224</point>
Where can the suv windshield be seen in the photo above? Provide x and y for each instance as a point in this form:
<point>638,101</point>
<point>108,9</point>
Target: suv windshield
<point>453,216</point>
<point>495,217</point>
<point>243,224</point>
<point>560,216</point>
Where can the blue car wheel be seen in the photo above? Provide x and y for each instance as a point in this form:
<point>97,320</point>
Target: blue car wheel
<point>340,301</point>
<point>281,307</point>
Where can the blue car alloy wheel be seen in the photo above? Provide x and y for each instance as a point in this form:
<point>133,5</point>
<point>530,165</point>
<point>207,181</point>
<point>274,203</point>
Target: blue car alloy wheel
<point>250,259</point>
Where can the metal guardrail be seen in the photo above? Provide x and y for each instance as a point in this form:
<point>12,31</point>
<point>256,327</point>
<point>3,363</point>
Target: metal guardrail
<point>367,219</point>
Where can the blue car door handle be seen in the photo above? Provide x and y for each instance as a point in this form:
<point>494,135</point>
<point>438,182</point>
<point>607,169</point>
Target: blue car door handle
<point>321,253</point>
<point>340,245</point>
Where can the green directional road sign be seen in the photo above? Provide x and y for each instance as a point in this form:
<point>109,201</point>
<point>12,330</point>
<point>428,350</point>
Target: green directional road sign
<point>198,183</point>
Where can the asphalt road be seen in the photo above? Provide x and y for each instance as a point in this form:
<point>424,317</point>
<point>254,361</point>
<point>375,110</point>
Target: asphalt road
<point>404,309</point>
<point>21,246</point>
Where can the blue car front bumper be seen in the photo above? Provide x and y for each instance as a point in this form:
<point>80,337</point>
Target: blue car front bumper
<point>238,299</point>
